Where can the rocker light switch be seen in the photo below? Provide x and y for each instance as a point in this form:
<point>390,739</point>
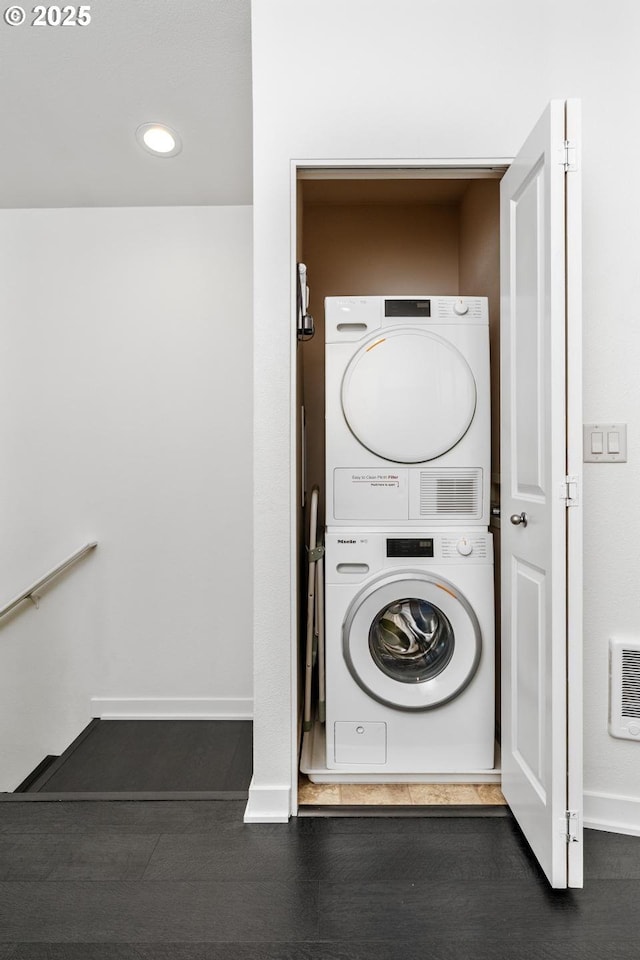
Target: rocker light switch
<point>605,442</point>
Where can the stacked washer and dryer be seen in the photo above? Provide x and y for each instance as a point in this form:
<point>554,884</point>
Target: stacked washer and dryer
<point>409,621</point>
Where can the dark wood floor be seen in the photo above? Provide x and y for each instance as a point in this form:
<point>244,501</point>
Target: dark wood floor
<point>146,756</point>
<point>153,880</point>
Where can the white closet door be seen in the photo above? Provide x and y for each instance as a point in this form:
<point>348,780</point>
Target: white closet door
<point>541,446</point>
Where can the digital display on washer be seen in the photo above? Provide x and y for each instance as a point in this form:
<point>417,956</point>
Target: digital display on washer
<point>410,548</point>
<point>407,308</point>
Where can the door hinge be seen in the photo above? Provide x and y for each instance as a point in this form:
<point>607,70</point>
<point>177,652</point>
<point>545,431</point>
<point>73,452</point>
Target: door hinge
<point>572,822</point>
<point>569,156</point>
<point>570,491</point>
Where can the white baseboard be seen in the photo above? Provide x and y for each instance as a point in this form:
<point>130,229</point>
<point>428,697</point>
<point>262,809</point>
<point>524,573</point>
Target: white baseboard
<point>268,804</point>
<point>613,813</point>
<point>171,708</point>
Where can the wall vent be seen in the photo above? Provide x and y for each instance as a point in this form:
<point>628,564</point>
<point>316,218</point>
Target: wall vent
<point>624,689</point>
<point>456,494</point>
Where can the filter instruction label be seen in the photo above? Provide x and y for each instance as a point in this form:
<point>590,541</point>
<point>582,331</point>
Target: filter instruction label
<point>371,494</point>
<point>377,479</point>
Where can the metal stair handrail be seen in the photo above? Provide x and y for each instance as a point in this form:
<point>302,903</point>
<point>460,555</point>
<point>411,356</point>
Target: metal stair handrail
<point>31,592</point>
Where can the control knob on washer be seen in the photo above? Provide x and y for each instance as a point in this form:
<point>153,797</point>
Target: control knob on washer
<point>464,547</point>
<point>460,307</point>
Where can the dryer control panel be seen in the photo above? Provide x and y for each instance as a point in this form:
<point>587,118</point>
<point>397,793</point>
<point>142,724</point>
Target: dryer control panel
<point>407,308</point>
<point>351,318</point>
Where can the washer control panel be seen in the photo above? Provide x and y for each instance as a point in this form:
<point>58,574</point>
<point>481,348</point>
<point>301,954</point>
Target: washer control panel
<point>353,556</point>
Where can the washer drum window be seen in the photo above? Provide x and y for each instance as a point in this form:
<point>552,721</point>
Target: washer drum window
<point>411,640</point>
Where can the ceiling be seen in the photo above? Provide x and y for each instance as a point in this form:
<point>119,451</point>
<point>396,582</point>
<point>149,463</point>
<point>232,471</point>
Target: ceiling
<point>74,96</point>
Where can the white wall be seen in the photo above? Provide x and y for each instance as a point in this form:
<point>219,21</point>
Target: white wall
<point>125,416</point>
<point>597,56</point>
<point>409,79</point>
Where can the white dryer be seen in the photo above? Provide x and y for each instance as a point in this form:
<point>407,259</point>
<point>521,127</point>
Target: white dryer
<point>409,651</point>
<point>408,431</point>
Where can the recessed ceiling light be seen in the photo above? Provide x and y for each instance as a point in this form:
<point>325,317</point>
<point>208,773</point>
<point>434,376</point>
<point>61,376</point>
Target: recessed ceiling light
<point>159,139</point>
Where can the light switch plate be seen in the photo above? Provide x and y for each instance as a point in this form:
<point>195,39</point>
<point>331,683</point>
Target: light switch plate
<point>605,443</point>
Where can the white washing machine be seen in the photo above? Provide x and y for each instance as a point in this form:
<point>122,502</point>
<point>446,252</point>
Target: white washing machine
<point>409,651</point>
<point>408,430</point>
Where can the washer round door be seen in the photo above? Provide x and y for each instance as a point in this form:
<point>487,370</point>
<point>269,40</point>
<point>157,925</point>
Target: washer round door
<point>408,395</point>
<point>411,640</point>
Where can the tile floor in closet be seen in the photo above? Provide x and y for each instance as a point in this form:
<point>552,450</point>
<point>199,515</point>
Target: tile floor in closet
<point>401,794</point>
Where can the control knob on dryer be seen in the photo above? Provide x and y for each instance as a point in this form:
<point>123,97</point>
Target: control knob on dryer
<point>460,307</point>
<point>464,547</point>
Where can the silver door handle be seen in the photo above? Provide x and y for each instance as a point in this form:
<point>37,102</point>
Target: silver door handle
<point>517,518</point>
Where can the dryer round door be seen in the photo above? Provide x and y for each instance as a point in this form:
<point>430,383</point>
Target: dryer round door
<point>408,395</point>
<point>411,640</point>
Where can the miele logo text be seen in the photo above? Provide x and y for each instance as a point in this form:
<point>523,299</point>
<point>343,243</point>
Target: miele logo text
<point>346,541</point>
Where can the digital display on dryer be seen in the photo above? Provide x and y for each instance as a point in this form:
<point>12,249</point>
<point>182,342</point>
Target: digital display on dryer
<point>410,547</point>
<point>407,308</point>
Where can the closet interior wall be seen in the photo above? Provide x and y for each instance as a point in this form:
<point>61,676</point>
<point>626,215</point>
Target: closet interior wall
<point>399,237</point>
